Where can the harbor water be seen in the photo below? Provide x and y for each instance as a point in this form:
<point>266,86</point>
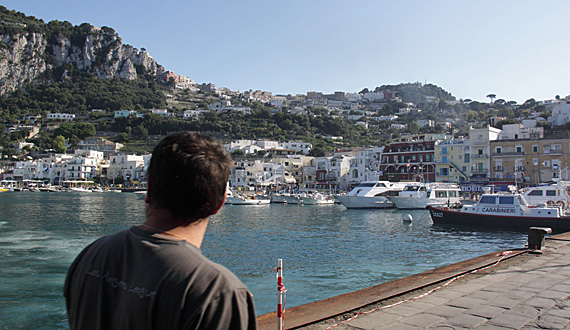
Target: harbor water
<point>327,250</point>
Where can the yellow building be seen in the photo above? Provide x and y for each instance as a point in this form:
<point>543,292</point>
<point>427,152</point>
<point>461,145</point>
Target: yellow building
<point>530,162</point>
<point>450,162</point>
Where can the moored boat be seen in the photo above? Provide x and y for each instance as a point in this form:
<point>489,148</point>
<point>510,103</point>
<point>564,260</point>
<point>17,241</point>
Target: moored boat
<point>555,194</point>
<point>371,194</point>
<point>421,195</point>
<point>246,200</point>
<point>317,199</point>
<point>502,210</point>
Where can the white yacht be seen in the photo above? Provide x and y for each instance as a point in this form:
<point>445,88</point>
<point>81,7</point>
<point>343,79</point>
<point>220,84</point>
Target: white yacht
<point>421,195</point>
<point>555,194</point>
<point>317,199</point>
<point>371,194</point>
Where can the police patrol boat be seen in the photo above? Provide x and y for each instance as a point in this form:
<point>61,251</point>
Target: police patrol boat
<point>503,210</point>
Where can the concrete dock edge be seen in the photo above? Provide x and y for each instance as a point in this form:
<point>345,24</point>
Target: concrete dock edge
<point>311,313</point>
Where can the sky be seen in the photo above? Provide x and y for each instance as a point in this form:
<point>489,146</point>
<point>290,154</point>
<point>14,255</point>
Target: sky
<point>515,49</point>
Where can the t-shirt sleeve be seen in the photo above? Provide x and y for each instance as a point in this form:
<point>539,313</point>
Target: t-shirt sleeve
<point>230,310</point>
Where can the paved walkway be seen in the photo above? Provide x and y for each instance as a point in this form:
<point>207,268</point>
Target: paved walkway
<point>529,291</point>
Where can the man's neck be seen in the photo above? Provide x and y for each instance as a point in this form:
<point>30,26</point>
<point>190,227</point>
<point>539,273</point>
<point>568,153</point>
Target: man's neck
<point>160,221</point>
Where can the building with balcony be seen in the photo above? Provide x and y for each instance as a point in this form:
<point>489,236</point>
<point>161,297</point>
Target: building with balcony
<point>480,150</point>
<point>365,166</point>
<point>520,131</point>
<point>410,158</point>
<point>81,169</point>
<point>333,170</point>
<point>129,167</point>
<point>530,162</point>
<point>450,162</point>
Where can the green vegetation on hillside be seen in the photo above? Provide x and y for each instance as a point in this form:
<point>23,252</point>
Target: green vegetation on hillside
<point>82,92</point>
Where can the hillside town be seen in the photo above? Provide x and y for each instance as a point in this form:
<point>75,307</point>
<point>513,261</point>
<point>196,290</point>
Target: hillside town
<point>517,154</point>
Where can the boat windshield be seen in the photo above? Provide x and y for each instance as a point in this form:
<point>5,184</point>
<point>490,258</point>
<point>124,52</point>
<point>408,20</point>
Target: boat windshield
<point>411,188</point>
<point>537,192</point>
<point>487,200</point>
<point>366,184</point>
<point>508,200</point>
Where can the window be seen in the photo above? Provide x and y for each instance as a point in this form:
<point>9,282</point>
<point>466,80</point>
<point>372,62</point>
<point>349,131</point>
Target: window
<point>534,148</point>
<point>444,151</point>
<point>444,159</point>
<point>452,193</point>
<point>551,193</point>
<point>487,200</point>
<point>498,150</point>
<point>535,193</point>
<point>509,200</point>
<point>441,194</point>
<point>443,171</point>
<point>519,149</point>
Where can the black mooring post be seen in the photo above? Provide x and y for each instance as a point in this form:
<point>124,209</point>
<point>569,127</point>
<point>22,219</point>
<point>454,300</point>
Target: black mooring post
<point>536,237</point>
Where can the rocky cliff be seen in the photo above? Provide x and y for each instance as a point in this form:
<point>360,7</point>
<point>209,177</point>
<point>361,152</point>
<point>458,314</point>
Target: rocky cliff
<point>41,53</point>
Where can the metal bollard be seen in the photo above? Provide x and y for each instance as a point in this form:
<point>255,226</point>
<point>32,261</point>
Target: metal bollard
<point>536,237</point>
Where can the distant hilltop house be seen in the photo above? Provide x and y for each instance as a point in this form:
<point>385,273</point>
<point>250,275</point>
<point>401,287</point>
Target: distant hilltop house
<point>426,123</point>
<point>162,112</point>
<point>226,105</point>
<point>127,113</point>
<point>560,114</point>
<point>271,147</point>
<point>398,126</point>
<point>60,116</point>
<point>32,119</point>
<point>99,144</point>
<point>193,114</point>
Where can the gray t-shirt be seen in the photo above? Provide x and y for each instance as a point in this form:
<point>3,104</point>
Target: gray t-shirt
<point>135,279</point>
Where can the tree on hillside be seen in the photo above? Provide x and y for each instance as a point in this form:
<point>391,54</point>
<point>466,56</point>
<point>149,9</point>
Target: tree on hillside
<point>59,144</point>
<point>413,127</point>
<point>492,97</point>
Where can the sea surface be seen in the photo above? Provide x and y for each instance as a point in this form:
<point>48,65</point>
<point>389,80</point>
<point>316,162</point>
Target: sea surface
<point>327,250</point>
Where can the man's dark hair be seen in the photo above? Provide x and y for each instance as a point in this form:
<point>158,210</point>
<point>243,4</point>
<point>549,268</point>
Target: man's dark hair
<point>187,175</point>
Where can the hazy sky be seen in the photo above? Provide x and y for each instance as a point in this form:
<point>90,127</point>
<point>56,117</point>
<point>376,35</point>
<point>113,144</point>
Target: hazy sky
<point>516,49</point>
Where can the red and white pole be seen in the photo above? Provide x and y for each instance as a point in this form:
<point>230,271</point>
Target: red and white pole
<point>280,290</point>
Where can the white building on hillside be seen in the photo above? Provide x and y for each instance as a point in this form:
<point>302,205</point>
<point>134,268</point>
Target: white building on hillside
<point>519,131</point>
<point>60,116</point>
<point>193,114</point>
<point>129,167</point>
<point>298,146</point>
<point>365,165</point>
<point>333,170</point>
<point>374,97</point>
<point>560,114</point>
<point>81,168</point>
<point>253,174</point>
